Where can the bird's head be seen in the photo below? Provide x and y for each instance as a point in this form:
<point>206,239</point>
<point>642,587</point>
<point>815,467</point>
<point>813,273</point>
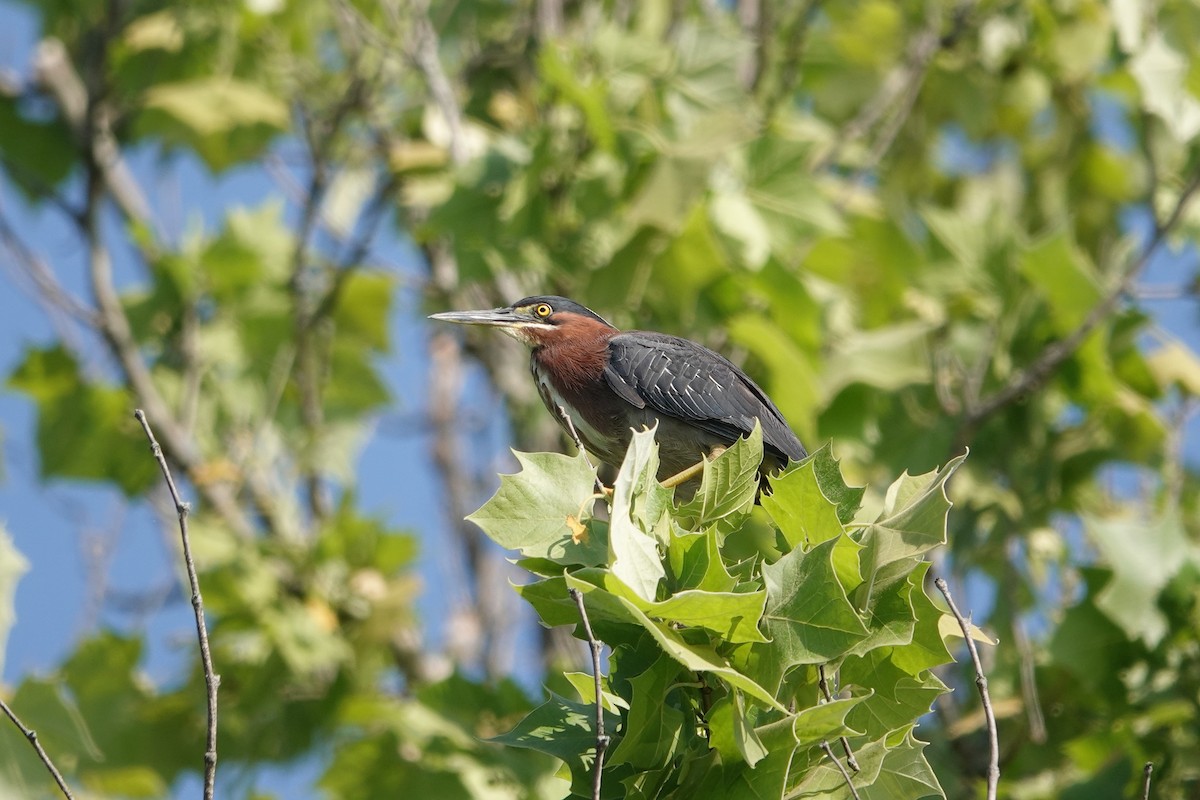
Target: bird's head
<point>534,320</point>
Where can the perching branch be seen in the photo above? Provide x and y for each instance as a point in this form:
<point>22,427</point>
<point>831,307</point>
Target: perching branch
<point>31,735</point>
<point>993,771</point>
<point>601,736</point>
<point>1147,771</point>
<point>211,680</point>
<point>828,697</point>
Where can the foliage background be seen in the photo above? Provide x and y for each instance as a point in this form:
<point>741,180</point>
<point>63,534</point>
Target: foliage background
<point>886,211</point>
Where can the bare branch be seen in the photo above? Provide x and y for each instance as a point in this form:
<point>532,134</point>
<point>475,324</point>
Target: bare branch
<point>1147,771</point>
<point>1057,352</point>
<point>211,680</point>
<point>601,737</point>
<point>115,328</point>
<point>849,782</point>
<point>981,683</point>
<point>92,127</point>
<point>423,52</point>
<point>31,735</point>
<point>48,288</point>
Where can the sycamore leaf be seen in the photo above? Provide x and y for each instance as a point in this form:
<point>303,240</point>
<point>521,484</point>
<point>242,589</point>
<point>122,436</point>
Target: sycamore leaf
<point>913,520</point>
<point>638,504</point>
<point>827,720</point>
<point>696,563</point>
<point>797,504</point>
<point>728,487</point>
<point>808,616</point>
<point>654,727</point>
<point>731,733</point>
<point>698,658</point>
<point>733,616</point>
<point>560,727</point>
<point>530,509</point>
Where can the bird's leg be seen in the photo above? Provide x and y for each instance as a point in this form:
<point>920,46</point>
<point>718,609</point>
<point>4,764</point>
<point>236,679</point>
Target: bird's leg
<point>692,471</point>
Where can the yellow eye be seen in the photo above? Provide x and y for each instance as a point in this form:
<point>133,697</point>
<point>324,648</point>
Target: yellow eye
<point>543,310</point>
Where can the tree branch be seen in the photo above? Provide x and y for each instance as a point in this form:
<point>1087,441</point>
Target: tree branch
<point>211,680</point>
<point>601,737</point>
<point>31,735</point>
<point>981,683</point>
<point>114,327</point>
<point>92,128</point>
<point>849,782</point>
<point>1057,352</point>
<point>1147,771</point>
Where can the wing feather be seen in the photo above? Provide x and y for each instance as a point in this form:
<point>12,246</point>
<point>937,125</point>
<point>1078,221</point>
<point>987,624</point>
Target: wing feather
<point>685,380</point>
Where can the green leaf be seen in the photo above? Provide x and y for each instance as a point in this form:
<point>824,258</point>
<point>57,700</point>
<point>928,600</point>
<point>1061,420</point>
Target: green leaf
<point>696,563</point>
<point>85,430</point>
<point>728,487</point>
<point>1144,555</point>
<point>826,720</point>
<point>809,618</point>
<point>529,511</point>
<point>12,566</point>
<point>654,727</point>
<point>805,516</point>
<point>927,648</point>
<point>364,307</point>
<point>698,658</point>
<point>559,727</point>
<point>913,520</point>
<point>731,734</point>
<point>224,120</point>
<point>638,504</point>
<point>733,616</point>
<point>885,604</point>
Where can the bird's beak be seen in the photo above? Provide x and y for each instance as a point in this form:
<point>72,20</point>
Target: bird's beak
<point>496,317</point>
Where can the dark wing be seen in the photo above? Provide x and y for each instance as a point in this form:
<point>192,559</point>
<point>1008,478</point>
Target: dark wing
<point>682,379</point>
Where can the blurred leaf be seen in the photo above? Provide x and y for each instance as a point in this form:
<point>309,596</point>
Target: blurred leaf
<point>12,566</point>
<point>1144,554</point>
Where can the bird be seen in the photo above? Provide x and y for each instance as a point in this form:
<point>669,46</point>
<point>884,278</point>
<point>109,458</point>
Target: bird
<point>610,383</point>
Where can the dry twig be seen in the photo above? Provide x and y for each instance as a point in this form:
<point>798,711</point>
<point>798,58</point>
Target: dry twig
<point>31,735</point>
<point>981,683</point>
<point>211,680</point>
<point>1147,771</point>
<point>849,782</point>
<point>601,736</point>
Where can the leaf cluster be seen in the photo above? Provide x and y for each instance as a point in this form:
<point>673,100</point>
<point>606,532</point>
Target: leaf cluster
<point>712,687</point>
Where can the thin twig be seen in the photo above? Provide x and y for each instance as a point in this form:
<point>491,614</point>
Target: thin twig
<point>566,418</point>
<point>601,736</point>
<point>828,696</point>
<point>993,771</point>
<point>423,52</point>
<point>31,735</point>
<point>849,781</point>
<point>211,680</point>
<point>1059,351</point>
<point>1147,771</point>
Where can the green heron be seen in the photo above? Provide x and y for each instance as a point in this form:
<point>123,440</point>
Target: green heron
<point>610,382</point>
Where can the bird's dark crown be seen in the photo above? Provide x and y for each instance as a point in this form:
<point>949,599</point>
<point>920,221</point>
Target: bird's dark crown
<point>560,305</point>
